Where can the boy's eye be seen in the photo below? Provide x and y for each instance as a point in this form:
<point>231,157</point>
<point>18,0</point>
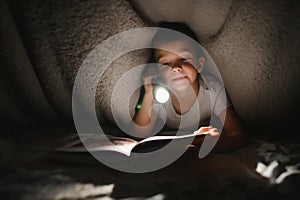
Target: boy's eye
<point>166,64</point>
<point>186,59</point>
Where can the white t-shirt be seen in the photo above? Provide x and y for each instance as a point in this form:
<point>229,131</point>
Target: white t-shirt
<point>212,98</point>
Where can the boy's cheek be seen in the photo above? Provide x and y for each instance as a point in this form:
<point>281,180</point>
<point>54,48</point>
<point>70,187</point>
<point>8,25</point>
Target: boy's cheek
<point>165,75</point>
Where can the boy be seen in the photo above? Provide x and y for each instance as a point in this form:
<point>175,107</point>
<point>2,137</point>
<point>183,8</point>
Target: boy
<point>180,71</point>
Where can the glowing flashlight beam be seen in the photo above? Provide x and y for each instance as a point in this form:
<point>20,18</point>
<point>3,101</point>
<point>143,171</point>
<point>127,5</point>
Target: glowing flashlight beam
<point>161,95</point>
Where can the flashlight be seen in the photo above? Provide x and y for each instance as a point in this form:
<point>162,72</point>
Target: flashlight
<point>161,94</point>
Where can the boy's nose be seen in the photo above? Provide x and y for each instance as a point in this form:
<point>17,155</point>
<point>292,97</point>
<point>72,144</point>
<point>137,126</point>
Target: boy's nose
<point>177,69</point>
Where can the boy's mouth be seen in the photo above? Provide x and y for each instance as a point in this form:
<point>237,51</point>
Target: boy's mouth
<point>179,78</point>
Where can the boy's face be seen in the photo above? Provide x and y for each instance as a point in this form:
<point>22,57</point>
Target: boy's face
<point>178,70</point>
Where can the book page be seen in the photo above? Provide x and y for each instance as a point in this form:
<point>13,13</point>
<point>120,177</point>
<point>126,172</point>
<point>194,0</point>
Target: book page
<point>170,137</point>
<point>95,142</point>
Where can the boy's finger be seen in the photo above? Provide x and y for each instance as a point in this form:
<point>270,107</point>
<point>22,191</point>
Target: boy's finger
<point>202,130</point>
<point>147,80</point>
<point>152,72</point>
<point>214,132</point>
<point>205,129</point>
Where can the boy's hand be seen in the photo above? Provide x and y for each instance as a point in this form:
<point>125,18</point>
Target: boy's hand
<point>208,130</point>
<point>150,71</point>
<point>148,84</point>
<point>204,130</point>
<point>148,75</point>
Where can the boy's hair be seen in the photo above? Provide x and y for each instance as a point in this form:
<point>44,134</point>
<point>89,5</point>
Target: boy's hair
<point>164,35</point>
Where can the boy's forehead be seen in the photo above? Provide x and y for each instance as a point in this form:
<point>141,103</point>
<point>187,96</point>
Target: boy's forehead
<point>176,46</point>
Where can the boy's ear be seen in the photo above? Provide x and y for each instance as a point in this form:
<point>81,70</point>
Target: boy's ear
<point>201,62</point>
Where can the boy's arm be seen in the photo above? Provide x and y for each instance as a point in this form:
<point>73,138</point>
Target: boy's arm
<point>145,117</point>
<point>233,135</point>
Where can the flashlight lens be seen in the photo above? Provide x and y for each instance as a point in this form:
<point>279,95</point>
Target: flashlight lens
<point>161,95</point>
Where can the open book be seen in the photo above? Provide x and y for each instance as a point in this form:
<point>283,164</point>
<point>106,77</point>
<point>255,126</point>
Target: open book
<point>95,142</point>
